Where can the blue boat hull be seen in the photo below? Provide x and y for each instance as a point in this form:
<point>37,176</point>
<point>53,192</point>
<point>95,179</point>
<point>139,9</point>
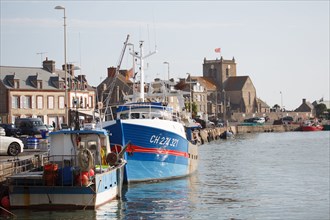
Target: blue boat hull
<point>153,153</point>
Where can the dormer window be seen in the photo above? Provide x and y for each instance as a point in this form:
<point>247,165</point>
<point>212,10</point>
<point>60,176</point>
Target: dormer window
<point>61,85</point>
<point>39,84</point>
<point>16,84</point>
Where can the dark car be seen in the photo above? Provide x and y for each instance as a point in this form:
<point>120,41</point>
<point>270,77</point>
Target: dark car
<point>201,122</point>
<point>287,120</point>
<point>284,120</point>
<point>250,120</point>
<point>10,129</point>
<point>30,126</point>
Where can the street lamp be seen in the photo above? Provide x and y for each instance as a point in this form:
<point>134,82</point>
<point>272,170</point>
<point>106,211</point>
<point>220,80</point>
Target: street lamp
<point>224,105</point>
<point>190,101</point>
<point>281,100</point>
<point>168,69</point>
<point>65,68</point>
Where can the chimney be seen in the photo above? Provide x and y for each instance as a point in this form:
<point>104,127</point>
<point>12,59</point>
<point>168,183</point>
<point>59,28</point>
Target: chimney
<point>111,72</point>
<point>49,65</point>
<point>82,78</point>
<point>70,68</point>
<point>304,101</point>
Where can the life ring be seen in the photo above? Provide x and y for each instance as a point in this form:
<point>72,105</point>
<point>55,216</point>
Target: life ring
<point>112,158</point>
<point>85,159</point>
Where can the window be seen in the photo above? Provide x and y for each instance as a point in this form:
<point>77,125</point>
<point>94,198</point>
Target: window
<point>50,102</point>
<point>27,103</point>
<point>90,103</point>
<point>39,102</point>
<point>61,103</point>
<point>15,102</point>
<point>198,98</point>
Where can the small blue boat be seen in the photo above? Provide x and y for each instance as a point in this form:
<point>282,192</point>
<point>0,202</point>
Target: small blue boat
<point>81,172</point>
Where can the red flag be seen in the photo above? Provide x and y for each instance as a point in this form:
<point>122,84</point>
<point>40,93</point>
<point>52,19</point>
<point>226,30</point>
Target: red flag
<point>217,50</point>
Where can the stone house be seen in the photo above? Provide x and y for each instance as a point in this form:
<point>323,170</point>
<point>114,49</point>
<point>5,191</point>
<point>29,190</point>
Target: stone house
<point>39,92</point>
<point>305,107</point>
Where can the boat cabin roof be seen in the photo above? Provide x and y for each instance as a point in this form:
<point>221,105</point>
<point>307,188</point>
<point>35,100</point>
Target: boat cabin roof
<point>80,132</point>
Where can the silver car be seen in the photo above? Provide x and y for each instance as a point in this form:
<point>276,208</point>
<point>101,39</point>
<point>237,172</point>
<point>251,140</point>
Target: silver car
<point>10,146</point>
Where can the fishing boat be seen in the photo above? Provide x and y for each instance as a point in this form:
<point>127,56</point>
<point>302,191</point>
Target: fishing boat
<point>80,172</point>
<point>312,127</point>
<point>160,146</point>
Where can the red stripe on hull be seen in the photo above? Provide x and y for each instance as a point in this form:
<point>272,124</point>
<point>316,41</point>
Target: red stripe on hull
<point>133,148</point>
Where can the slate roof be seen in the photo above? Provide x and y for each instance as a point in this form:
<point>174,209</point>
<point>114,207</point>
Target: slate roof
<point>235,83</point>
<point>28,75</point>
<point>25,75</point>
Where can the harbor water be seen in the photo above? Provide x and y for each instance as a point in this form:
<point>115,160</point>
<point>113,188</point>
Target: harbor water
<point>253,176</point>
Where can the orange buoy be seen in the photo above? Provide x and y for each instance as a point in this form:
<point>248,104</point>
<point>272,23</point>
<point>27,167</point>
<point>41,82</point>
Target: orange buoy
<point>83,178</point>
<point>5,202</point>
<point>91,172</point>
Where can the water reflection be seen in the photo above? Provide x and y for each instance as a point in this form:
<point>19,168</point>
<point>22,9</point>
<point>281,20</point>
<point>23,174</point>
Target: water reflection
<point>157,200</point>
<point>254,176</point>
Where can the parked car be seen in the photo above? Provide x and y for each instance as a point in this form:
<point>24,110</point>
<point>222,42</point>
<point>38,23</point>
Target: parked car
<point>10,145</point>
<point>287,120</point>
<point>258,120</point>
<point>30,126</point>
<point>210,124</point>
<point>196,123</point>
<point>284,120</point>
<point>218,122</point>
<point>50,128</point>
<point>201,122</point>
<point>249,120</point>
<point>10,129</point>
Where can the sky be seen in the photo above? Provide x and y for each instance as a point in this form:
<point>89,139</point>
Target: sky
<point>283,46</point>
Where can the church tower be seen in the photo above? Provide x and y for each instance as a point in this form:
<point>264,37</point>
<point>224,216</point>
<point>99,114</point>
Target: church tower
<point>219,71</point>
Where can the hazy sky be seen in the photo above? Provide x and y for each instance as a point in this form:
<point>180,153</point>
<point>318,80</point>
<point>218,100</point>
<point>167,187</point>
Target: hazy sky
<point>282,45</point>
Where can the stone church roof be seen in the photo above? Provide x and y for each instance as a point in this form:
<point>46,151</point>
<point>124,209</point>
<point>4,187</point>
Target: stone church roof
<point>235,83</point>
<point>262,103</point>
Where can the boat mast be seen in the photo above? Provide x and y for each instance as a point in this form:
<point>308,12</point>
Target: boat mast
<point>141,57</point>
<point>141,72</point>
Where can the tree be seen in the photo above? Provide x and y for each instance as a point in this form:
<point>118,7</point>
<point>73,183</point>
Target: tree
<point>320,109</point>
<point>194,108</point>
<point>276,106</point>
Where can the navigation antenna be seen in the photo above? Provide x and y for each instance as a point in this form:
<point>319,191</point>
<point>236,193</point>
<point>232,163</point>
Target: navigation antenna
<point>107,108</point>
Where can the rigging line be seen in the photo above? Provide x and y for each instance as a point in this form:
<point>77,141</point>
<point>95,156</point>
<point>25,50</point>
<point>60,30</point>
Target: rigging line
<point>153,20</point>
<point>148,36</point>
